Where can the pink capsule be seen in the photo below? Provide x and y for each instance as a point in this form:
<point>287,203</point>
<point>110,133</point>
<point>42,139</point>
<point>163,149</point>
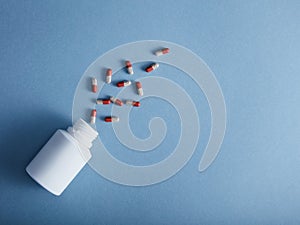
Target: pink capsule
<point>133,103</point>
<point>124,83</point>
<point>139,88</point>
<point>108,75</point>
<point>162,51</point>
<point>111,119</point>
<point>93,116</point>
<point>102,101</point>
<point>129,67</point>
<point>116,101</point>
<point>153,66</point>
<point>94,85</point>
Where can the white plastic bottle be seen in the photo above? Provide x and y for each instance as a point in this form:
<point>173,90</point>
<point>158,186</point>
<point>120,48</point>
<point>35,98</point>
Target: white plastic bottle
<point>62,157</point>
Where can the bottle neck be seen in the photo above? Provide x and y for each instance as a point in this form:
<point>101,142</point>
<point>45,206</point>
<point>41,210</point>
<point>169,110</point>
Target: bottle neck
<point>84,134</point>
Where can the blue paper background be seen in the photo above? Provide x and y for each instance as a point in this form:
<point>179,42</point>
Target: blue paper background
<point>251,46</point>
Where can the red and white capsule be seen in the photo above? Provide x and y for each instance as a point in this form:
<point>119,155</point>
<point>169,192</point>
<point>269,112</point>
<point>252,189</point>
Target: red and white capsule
<point>111,119</point>
<point>139,88</point>
<point>94,85</point>
<point>133,103</point>
<point>153,66</point>
<point>102,101</point>
<point>93,116</point>
<point>116,101</point>
<point>162,51</point>
<point>129,67</point>
<point>124,83</point>
<point>108,75</point>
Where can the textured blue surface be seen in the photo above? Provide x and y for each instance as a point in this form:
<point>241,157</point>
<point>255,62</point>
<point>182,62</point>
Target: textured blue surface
<point>252,47</point>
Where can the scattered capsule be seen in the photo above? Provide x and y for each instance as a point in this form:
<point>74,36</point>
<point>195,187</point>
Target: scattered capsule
<point>102,101</point>
<point>162,51</point>
<point>129,67</point>
<point>133,103</point>
<point>93,116</point>
<point>153,66</point>
<point>94,85</point>
<point>139,88</point>
<point>110,119</point>
<point>124,83</point>
<point>116,101</point>
<point>108,75</point>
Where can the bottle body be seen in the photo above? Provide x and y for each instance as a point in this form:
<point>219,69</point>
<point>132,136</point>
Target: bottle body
<point>58,162</point>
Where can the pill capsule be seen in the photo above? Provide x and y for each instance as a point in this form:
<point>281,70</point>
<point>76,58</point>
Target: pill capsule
<point>153,66</point>
<point>139,88</point>
<point>94,85</point>
<point>110,119</point>
<point>133,103</point>
<point>116,101</point>
<point>102,101</point>
<point>108,75</point>
<point>129,67</point>
<point>162,51</point>
<point>93,116</point>
<point>124,83</point>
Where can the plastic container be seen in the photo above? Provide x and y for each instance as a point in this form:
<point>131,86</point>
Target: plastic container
<point>62,157</point>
